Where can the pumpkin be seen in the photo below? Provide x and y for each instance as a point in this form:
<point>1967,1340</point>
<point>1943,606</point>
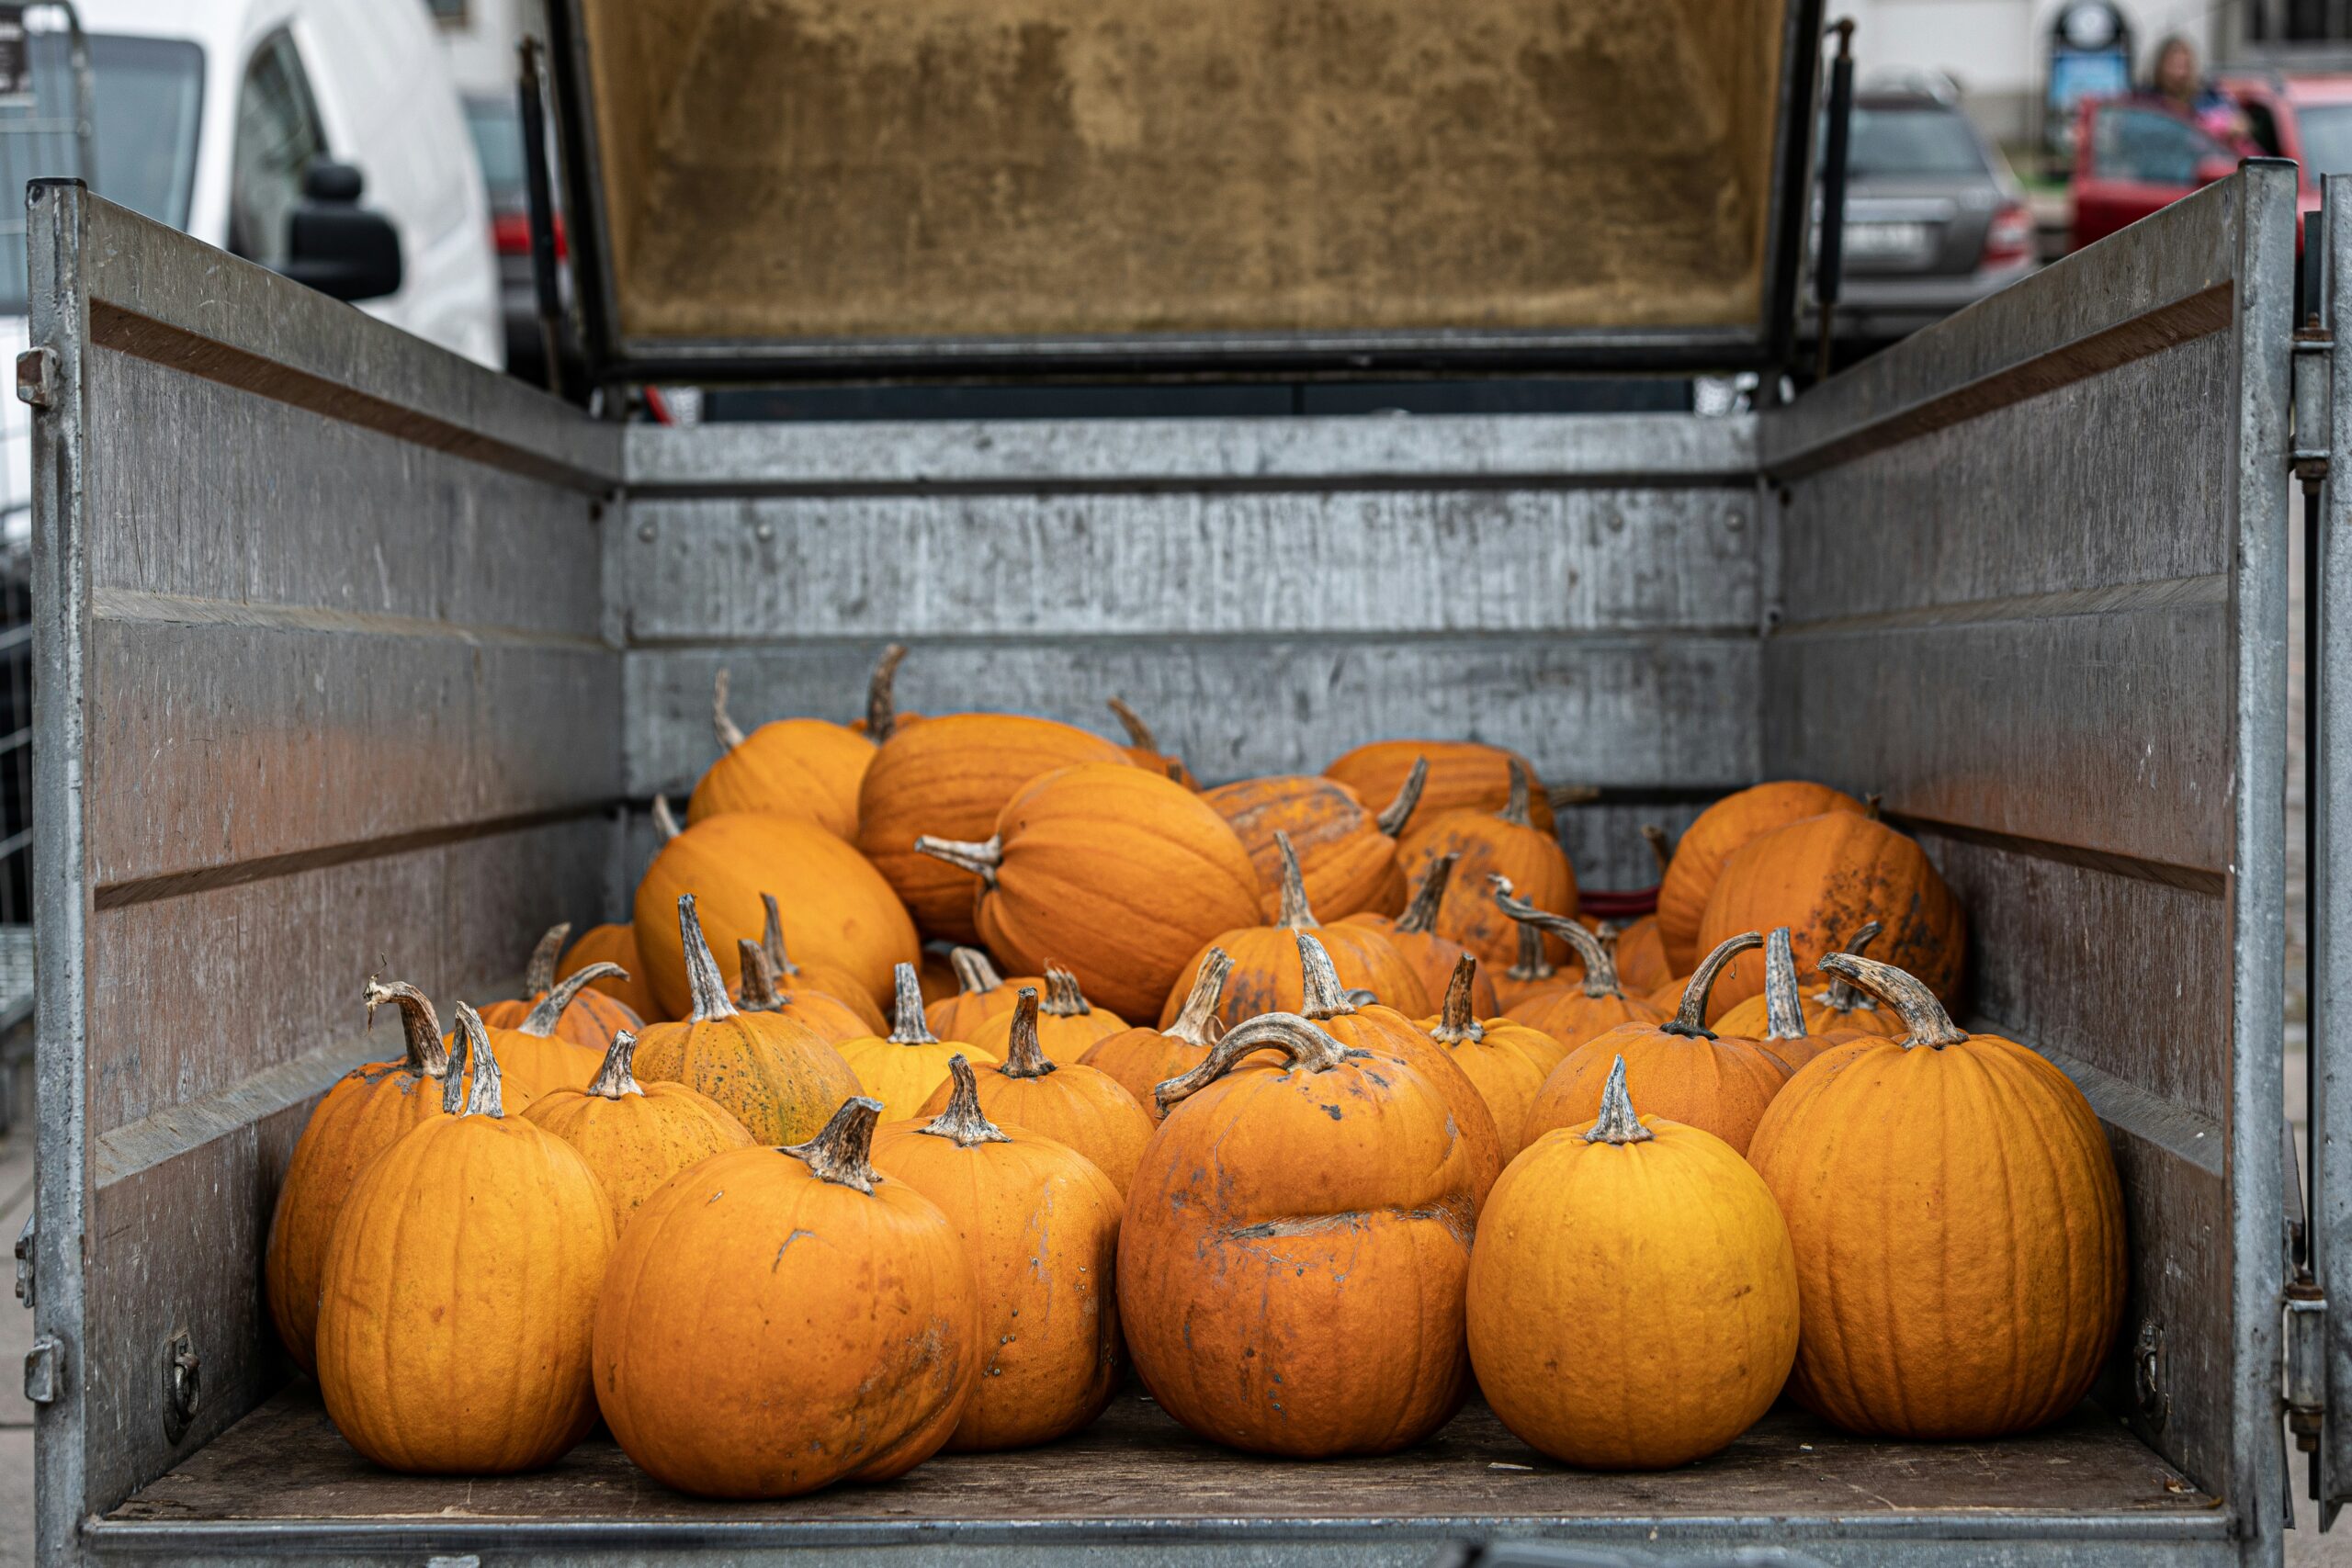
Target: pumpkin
<point>1041,1227</point>
<point>777,1320</point>
<point>1667,997</point>
<point>459,1285</point>
<point>1720,1083</point>
<point>903,1067</point>
<point>824,997</point>
<point>1464,775</point>
<point>1712,837</point>
<point>1143,1058</point>
<point>843,915</point>
<point>616,945</point>
<point>1266,976</point>
<point>1823,876</point>
<point>1778,1017</point>
<point>1589,1005</point>
<point>1118,873</point>
<point>981,994</point>
<point>1502,843</point>
<point>952,778</point>
<point>1413,936</point>
<point>1958,1226</point>
<point>534,1054</point>
<point>807,768</point>
<point>835,1021</point>
<point>1067,1024</point>
<point>1292,1263</point>
<point>1347,853</point>
<point>587,1017</point>
<point>1143,748</point>
<point>882,719</point>
<point>1837,1012</point>
<point>538,978</point>
<point>777,1076</point>
<point>1082,1105</point>
<point>366,1111</point>
<point>936,976</point>
<point>1639,953</point>
<point>634,1135</point>
<point>1633,1294</point>
<point>1507,1062</point>
<point>1532,974</point>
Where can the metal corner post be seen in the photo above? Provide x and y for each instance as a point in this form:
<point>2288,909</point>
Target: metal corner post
<point>57,225</point>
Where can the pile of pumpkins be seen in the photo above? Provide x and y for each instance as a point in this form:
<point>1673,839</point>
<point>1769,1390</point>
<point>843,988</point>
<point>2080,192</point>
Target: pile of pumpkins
<point>1311,1099</point>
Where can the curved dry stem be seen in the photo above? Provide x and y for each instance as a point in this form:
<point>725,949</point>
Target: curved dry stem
<point>1456,1022</point>
<point>729,735</point>
<point>1296,1037</point>
<point>771,940</point>
<point>974,974</point>
<point>1420,917</point>
<point>538,975</point>
<point>1396,813</point>
<point>1198,1024</point>
<point>545,1012</point>
<point>1871,804</point>
<point>665,821</point>
<point>964,1121</point>
<point>428,1054</point>
<point>1063,998</point>
<point>614,1079</point>
<point>1025,1053</point>
<point>980,857</point>
<point>1925,1022</point>
<point>908,1025</point>
<point>1660,850</point>
<point>1515,809</point>
<point>1322,995</point>
<point>1599,964</point>
<point>1618,1125</point>
<point>1138,733</point>
<point>838,1153</point>
<point>484,1098</point>
<point>704,984</point>
<point>1294,912</point>
<point>881,695</point>
<point>1841,995</point>
<point>1783,1007</point>
<point>1691,1017</point>
<point>758,992</point>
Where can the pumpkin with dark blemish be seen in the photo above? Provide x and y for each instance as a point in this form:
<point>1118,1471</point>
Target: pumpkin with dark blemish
<point>1497,843</point>
<point>1707,845</point>
<point>1415,937</point>
<point>1577,1010</point>
<point>1346,850</point>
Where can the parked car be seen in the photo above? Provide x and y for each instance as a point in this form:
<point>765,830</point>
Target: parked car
<point>1934,219</point>
<point>2136,155</point>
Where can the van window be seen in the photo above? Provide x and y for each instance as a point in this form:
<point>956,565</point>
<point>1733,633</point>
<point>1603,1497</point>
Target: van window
<point>2149,146</point>
<point>278,136</point>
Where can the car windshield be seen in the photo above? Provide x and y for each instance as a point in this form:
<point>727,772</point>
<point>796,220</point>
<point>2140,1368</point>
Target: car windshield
<point>146,94</point>
<point>1901,141</point>
<point>497,128</point>
<point>2327,138</point>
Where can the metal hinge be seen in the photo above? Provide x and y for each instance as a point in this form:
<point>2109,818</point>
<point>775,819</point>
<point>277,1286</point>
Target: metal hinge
<point>24,1262</point>
<point>37,377</point>
<point>44,1370</point>
<point>2314,394</point>
<point>2306,1360</point>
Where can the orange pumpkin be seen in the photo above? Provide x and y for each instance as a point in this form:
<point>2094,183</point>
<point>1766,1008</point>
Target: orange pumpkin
<point>1464,775</point>
<point>1836,1013</point>
<point>634,1135</point>
<point>981,994</point>
<point>882,719</point>
<point>1958,1226</point>
<point>1503,843</point>
<point>455,1301</point>
<point>936,976</point>
<point>1266,976</point>
<point>1081,1106</point>
<point>538,978</point>
<point>1639,953</point>
<point>616,945</point>
<point>1067,1024</point>
<point>1778,1017</point>
<point>822,996</point>
<point>828,1018</point>
<point>1823,876</point>
<point>1142,749</point>
<point>1413,936</point>
<point>1718,1083</point>
<point>952,778</point>
<point>1508,1062</point>
<point>903,1067</point>
<point>841,914</point>
<point>1115,873</point>
<point>535,1055</point>
<point>1143,1058</point>
<point>587,1017</point>
<point>1292,1264</point>
<point>742,1349</point>
<point>807,768</point>
<point>777,1076</point>
<point>1713,838</point>
<point>1041,1227</point>
<point>1347,853</point>
<point>1591,1004</point>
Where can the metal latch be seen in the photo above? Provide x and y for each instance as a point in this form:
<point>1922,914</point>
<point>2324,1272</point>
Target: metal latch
<point>44,1365</point>
<point>24,1262</point>
<point>37,377</point>
<point>2306,1360</point>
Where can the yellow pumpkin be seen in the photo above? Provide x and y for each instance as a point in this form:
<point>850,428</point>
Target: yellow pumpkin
<point>903,1067</point>
<point>981,994</point>
<point>1075,1104</point>
<point>634,1135</point>
<point>1067,1024</point>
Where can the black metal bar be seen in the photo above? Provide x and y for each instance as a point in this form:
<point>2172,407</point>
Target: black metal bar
<point>1829,262</point>
<point>1800,90</point>
<point>567,80</point>
<point>541,185</point>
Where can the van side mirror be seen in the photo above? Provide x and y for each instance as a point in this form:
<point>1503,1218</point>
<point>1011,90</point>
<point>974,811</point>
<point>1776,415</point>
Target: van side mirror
<point>335,244</point>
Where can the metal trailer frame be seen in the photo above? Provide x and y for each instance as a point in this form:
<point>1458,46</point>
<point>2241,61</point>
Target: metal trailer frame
<point>413,683</point>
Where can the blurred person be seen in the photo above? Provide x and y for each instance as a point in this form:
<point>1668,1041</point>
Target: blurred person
<point>2176,84</point>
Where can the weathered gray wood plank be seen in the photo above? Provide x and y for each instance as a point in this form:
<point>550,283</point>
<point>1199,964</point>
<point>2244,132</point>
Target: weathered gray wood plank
<point>2176,1228</point>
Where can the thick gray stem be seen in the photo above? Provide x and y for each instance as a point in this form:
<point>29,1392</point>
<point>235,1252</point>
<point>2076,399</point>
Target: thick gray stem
<point>1691,1019</point>
<point>881,700</point>
<point>1399,811</point>
<point>1515,810</point>
<point>758,992</point>
<point>704,984</point>
<point>964,1121</point>
<point>1841,994</point>
<point>484,1098</point>
<point>838,1153</point>
<point>1063,998</point>
<point>1197,1024</point>
<point>545,1012</point>
<point>1600,966</point>
<point>730,737</point>
<point>614,1079</point>
<point>1618,1125</point>
<point>1025,1053</point>
<point>974,974</point>
<point>908,1026</point>
<point>1784,1005</point>
<point>980,858</point>
<point>665,821</point>
<point>1925,1022</point>
<point>1294,912</point>
<point>1456,1022</point>
<point>538,975</point>
<point>428,1054</point>
<point>1296,1037</point>
<point>1420,917</point>
<point>1323,995</point>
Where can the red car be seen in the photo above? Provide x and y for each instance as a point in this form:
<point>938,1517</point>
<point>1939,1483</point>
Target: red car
<point>2135,155</point>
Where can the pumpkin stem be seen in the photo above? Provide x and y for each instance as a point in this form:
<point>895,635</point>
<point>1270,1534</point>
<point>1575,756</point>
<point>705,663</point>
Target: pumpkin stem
<point>1399,811</point>
<point>837,1154</point>
<point>1515,809</point>
<point>1691,1019</point>
<point>453,1087</point>
<point>1063,998</point>
<point>1456,1023</point>
<point>772,940</point>
<point>484,1099</point>
<point>1138,733</point>
<point>964,1121</point>
<point>1025,1053</point>
<point>974,973</point>
<point>1925,1022</point>
<point>1841,995</point>
<point>1660,850</point>
<point>1296,1037</point>
<point>758,992</point>
<point>428,1054</point>
<point>729,735</point>
<point>1322,996</point>
<point>704,984</point>
<point>881,700</point>
<point>1618,1125</point>
<point>1294,912</point>
<point>1420,917</point>
<point>541,1020</point>
<point>909,1026</point>
<point>1871,805</point>
<point>538,975</point>
<point>665,821</point>
<point>1784,1009</point>
<point>1600,966</point>
<point>1197,1024</point>
<point>614,1079</point>
<point>980,858</point>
